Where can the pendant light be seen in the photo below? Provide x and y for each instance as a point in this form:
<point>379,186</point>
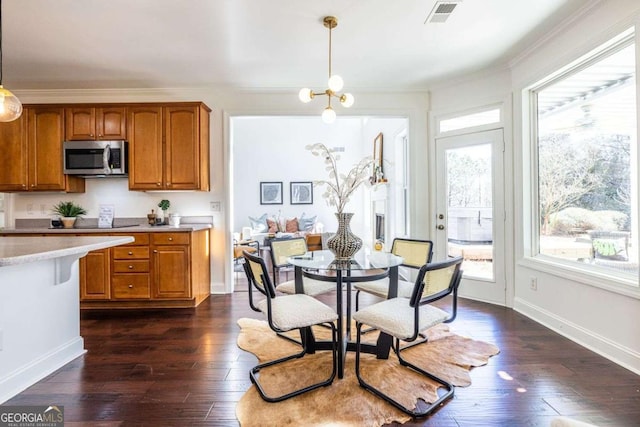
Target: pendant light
<point>10,105</point>
<point>335,83</point>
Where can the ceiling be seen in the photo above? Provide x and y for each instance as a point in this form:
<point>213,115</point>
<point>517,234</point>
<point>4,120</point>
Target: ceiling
<point>259,44</point>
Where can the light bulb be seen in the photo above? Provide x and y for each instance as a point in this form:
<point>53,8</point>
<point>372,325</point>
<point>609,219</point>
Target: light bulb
<point>347,100</point>
<point>10,106</point>
<point>336,83</point>
<point>328,115</point>
<point>305,95</point>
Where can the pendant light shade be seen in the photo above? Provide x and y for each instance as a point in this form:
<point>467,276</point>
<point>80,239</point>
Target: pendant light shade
<point>10,105</point>
<point>335,83</point>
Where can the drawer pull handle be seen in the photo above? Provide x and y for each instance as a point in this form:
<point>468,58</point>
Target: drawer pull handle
<point>130,253</point>
<point>130,267</point>
<point>130,286</point>
<point>171,239</point>
<point>155,251</point>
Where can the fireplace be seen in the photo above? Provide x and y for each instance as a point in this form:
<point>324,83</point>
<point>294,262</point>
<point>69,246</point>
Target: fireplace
<point>379,227</point>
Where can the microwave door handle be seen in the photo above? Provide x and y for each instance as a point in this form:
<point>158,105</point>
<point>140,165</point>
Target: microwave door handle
<point>106,159</point>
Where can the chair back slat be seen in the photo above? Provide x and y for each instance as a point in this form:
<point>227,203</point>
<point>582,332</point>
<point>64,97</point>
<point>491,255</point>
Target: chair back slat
<point>415,253</point>
<point>436,280</point>
<point>257,274</point>
<point>282,249</point>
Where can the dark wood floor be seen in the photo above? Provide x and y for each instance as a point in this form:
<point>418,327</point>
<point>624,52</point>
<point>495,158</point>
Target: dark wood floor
<point>183,368</point>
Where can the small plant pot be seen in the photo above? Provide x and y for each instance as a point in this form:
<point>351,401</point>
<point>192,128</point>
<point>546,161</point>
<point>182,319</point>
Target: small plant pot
<point>68,221</point>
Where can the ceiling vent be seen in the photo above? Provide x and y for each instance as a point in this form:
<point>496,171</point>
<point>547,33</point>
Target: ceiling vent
<point>441,11</point>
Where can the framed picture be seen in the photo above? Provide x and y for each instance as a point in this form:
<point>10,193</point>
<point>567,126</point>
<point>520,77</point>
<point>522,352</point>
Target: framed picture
<point>377,174</point>
<point>301,193</point>
<point>271,193</point>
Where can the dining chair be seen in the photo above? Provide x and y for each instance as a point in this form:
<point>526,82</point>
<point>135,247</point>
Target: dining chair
<point>286,313</point>
<point>407,318</point>
<point>415,254</point>
<point>281,251</point>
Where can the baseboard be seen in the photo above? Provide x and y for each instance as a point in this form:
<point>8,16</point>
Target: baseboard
<point>27,375</point>
<point>599,344</point>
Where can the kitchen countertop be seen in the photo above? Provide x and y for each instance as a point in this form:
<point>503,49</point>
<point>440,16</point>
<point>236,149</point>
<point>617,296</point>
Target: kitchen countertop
<point>22,250</point>
<point>143,228</point>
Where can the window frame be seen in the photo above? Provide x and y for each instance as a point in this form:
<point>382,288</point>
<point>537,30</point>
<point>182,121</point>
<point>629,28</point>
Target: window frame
<point>622,283</point>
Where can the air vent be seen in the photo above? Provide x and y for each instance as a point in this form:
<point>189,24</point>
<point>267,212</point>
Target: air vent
<point>441,11</point>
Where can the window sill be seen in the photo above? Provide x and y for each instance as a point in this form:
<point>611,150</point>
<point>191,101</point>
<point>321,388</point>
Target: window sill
<point>597,277</point>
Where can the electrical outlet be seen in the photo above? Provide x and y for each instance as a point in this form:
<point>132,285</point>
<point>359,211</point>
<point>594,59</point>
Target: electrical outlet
<point>215,206</point>
<point>533,283</point>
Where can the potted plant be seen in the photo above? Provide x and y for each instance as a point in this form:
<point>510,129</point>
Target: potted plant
<point>164,205</point>
<point>68,212</point>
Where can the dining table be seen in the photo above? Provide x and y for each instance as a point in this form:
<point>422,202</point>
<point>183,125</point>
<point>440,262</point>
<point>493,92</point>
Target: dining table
<point>366,265</point>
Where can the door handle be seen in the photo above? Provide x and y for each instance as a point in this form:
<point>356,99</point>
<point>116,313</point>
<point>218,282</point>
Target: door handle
<point>440,227</point>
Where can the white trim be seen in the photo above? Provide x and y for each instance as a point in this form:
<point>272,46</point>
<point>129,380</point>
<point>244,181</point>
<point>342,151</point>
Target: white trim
<point>605,347</point>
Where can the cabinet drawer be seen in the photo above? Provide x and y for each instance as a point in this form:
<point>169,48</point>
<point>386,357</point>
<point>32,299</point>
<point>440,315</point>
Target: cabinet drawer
<point>131,266</point>
<point>131,252</point>
<point>130,286</point>
<point>140,239</point>
<point>170,238</point>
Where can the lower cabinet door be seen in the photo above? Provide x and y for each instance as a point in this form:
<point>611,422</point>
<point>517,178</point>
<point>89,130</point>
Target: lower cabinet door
<point>171,272</point>
<point>130,286</point>
<point>95,275</point>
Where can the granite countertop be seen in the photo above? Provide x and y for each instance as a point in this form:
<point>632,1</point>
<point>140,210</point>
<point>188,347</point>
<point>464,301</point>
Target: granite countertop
<point>128,229</point>
<point>121,225</point>
<point>23,250</point>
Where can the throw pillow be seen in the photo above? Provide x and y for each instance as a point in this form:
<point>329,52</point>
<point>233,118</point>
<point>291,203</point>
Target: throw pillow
<point>259,224</point>
<point>306,223</point>
<point>291,226</point>
<point>273,225</point>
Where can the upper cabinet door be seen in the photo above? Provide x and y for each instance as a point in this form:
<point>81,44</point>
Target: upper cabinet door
<point>182,154</point>
<point>186,132</point>
<point>13,162</point>
<point>144,130</point>
<point>80,123</point>
<point>111,123</point>
<point>101,123</point>
<point>44,137</point>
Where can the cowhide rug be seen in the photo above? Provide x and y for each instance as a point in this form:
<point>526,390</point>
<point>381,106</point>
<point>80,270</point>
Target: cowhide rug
<point>345,403</point>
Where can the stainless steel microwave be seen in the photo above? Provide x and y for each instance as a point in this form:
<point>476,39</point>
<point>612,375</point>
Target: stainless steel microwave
<point>95,158</point>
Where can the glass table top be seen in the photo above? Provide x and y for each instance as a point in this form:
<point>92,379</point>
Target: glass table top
<point>363,260</point>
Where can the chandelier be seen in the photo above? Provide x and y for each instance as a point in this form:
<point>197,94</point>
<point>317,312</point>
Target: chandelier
<point>10,106</point>
<point>335,83</point>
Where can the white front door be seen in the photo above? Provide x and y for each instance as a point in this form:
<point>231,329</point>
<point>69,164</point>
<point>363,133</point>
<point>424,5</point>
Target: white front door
<point>470,216</point>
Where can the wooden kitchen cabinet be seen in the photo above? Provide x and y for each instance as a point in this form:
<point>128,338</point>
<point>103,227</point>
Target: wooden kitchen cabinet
<point>131,278</point>
<point>157,270</point>
<point>171,268</point>
<point>95,275</point>
<point>13,162</point>
<point>96,123</point>
<point>169,147</point>
<point>35,164</point>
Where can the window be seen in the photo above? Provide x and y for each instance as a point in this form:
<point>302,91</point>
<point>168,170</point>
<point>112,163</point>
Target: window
<point>586,137</point>
<point>470,120</point>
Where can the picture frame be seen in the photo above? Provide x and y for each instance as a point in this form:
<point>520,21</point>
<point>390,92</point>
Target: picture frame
<point>271,193</point>
<point>377,172</point>
<point>301,193</point>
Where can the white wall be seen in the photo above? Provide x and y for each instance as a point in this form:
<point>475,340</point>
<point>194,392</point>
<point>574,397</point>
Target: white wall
<point>273,149</point>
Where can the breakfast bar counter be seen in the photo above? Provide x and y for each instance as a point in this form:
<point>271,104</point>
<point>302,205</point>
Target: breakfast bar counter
<point>39,305</point>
